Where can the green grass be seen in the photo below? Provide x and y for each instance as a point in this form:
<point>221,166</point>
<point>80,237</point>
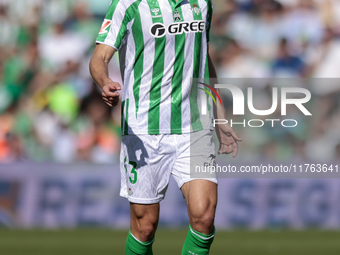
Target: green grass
<point>168,242</point>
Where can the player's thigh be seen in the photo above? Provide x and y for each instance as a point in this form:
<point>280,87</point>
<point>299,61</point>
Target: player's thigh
<point>147,212</point>
<point>144,220</point>
<point>201,197</point>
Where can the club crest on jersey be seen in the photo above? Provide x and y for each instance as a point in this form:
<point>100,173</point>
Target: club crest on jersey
<point>177,16</point>
<point>196,9</point>
<point>105,25</point>
<point>155,12</point>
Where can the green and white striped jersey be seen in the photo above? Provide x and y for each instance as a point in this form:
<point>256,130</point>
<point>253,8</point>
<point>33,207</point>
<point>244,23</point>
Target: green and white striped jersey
<point>162,46</point>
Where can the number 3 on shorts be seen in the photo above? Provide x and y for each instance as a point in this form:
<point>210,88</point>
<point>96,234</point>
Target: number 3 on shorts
<point>133,171</point>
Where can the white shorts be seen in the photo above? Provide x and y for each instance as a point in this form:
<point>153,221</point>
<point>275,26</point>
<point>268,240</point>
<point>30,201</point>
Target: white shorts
<point>147,161</point>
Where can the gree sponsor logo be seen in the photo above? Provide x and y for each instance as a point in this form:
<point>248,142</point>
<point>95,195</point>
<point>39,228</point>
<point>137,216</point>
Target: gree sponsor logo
<point>159,30</point>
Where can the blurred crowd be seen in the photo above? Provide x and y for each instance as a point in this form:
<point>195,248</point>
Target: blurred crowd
<point>50,109</point>
<point>296,43</point>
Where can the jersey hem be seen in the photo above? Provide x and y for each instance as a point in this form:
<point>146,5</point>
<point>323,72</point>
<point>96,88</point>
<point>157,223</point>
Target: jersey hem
<point>108,44</point>
<point>214,180</point>
<point>146,201</point>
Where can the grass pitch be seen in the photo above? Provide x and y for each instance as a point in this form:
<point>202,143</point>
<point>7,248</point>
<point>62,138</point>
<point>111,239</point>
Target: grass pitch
<point>168,242</point>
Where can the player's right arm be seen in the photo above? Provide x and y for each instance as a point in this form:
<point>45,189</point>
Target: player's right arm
<point>110,39</point>
<point>99,71</point>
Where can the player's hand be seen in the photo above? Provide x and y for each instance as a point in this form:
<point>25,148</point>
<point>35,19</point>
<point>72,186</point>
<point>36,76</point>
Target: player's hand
<point>228,140</point>
<point>110,93</point>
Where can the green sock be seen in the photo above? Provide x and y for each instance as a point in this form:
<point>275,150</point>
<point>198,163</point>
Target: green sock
<point>136,247</point>
<point>197,243</point>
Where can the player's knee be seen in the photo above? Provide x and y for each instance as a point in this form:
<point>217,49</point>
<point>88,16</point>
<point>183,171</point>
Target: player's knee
<point>203,220</point>
<point>144,220</point>
<point>206,220</point>
<point>146,231</point>
<point>147,227</point>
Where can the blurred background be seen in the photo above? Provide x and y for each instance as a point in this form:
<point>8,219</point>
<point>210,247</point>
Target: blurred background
<point>51,113</point>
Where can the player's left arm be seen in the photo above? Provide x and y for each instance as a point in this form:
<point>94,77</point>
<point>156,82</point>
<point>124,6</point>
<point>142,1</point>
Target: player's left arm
<point>225,133</point>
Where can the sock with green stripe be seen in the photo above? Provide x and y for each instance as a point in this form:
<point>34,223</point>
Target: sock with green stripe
<point>136,247</point>
<point>197,243</point>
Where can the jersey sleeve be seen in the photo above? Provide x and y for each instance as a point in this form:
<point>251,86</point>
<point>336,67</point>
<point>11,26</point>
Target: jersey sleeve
<point>209,17</point>
<point>114,27</point>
